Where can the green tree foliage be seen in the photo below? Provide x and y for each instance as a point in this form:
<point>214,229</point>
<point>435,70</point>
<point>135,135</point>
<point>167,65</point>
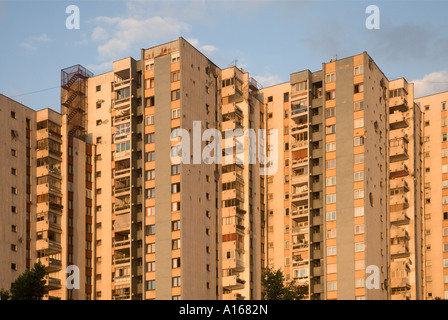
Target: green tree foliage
<point>4,294</point>
<point>30,284</point>
<point>275,287</point>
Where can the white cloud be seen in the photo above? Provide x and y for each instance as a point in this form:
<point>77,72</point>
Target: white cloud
<point>125,36</point>
<point>268,80</point>
<point>431,83</point>
<point>31,44</point>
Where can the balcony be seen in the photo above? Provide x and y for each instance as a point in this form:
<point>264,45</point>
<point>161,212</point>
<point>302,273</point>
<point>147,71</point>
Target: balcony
<point>318,271</point>
<point>300,246</point>
<point>400,250</point>
<point>299,128</point>
<point>122,260</point>
<point>301,215</point>
<point>121,84</point>
<point>299,145</point>
<point>399,153</point>
<point>300,198</point>
<point>400,296</point>
<point>399,233</point>
<point>400,283</point>
<point>254,85</point>
<point>50,264</point>
<point>399,218</point>
<point>398,104</point>
<point>52,283</point>
<point>300,229</point>
<point>48,225</point>
<point>233,283</point>
<point>397,121</point>
<point>299,179</point>
<point>398,170</point>
<point>49,245</point>
<point>231,125</point>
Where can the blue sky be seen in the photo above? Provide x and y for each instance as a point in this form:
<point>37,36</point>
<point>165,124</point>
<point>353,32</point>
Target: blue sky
<point>270,39</point>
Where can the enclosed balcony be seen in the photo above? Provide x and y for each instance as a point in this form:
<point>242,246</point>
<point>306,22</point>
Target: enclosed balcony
<point>121,293</point>
<point>300,241</point>
<point>122,185</point>
<point>300,194</point>
<point>299,228</point>
<point>400,283</point>
<point>121,257</point>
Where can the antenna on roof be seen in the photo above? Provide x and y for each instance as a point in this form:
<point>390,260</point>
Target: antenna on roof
<point>234,63</point>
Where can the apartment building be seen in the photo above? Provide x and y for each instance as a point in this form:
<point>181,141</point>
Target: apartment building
<point>47,180</point>
<point>331,223</point>
<point>435,220</point>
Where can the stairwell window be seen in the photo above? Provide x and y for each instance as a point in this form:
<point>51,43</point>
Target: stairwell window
<point>331,146</point>
<point>175,113</point>
<point>358,141</point>
<point>359,88</point>
<point>331,77</point>
<point>359,70</point>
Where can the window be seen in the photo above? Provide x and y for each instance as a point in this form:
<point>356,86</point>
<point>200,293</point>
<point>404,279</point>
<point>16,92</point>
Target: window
<point>360,265</point>
<point>331,181</point>
<point>359,158</point>
<point>360,283</point>
<point>124,146</point>
<point>150,138</point>
<point>175,244</point>
<point>150,175</point>
<point>175,169</point>
<point>175,187</point>
<point>359,123</point>
<point>150,211</point>
<point>151,285</point>
<point>13,115</point>
<point>358,105</point>
<point>330,95</point>
<point>359,246</point>
<point>332,268</point>
<point>13,209</point>
<point>330,112</point>
<point>176,281</point>
<point>13,228</point>
<point>175,76</point>
<point>331,215</point>
<point>98,105</point>
<point>359,176</point>
<point>331,164</point>
<point>175,113</point>
<point>150,101</point>
<point>151,230</point>
<point>149,83</point>
<point>14,190</point>
<point>359,193</point>
<point>359,88</point>
<point>331,77</point>
<point>98,122</point>
<point>286,97</point>
<point>331,251</point>
<point>331,146</point>
<point>359,229</point>
<point>151,266</point>
<point>122,131</point>
<point>151,248</point>
<point>175,225</point>
<point>151,156</point>
<point>175,206</point>
<point>13,171</point>
<point>175,263</point>
<point>149,120</point>
<point>175,95</point>
<point>359,70</point>
<point>331,233</point>
<point>331,198</point>
<point>14,152</point>
<point>150,193</point>
<point>98,88</point>
<point>359,211</point>
<point>358,141</point>
<point>330,129</point>
<point>300,86</point>
<point>332,286</point>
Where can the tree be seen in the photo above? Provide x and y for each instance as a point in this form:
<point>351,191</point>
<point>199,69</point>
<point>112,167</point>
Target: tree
<point>4,294</point>
<point>30,285</point>
<point>275,288</point>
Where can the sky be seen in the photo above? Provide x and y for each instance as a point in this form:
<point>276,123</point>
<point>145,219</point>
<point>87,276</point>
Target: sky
<point>269,39</point>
